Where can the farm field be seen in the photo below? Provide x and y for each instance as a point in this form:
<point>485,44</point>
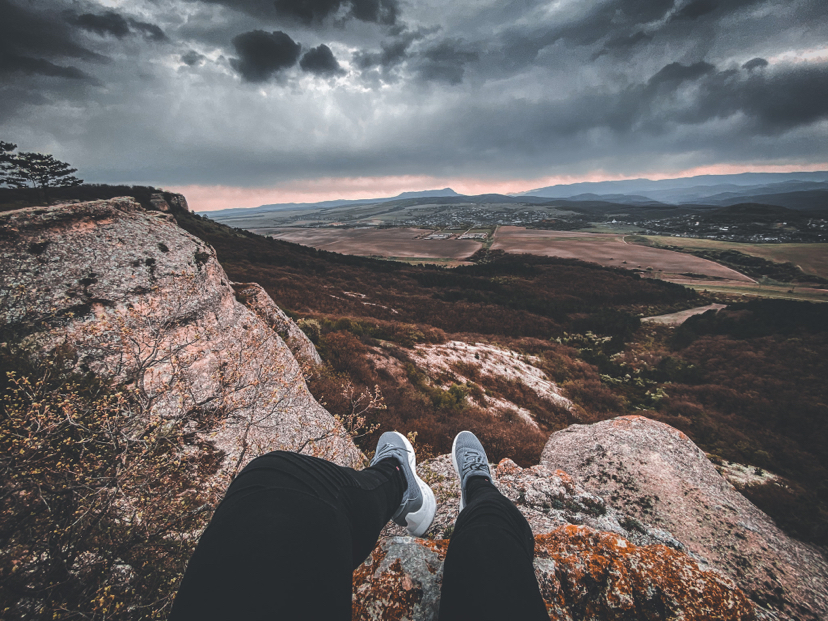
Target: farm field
<point>811,258</point>
<point>401,243</point>
<point>408,245</point>
<point>774,291</point>
<point>612,251</point>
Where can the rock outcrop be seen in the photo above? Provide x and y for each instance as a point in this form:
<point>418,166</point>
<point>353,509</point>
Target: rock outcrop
<point>657,475</point>
<point>256,299</point>
<point>591,561</point>
<point>136,298</point>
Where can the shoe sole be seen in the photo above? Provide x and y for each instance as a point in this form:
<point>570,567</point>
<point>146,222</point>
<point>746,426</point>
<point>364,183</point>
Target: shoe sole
<point>419,521</point>
<point>457,468</point>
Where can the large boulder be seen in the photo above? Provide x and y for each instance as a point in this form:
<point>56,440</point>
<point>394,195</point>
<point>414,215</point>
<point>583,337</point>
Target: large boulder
<point>591,561</point>
<point>657,475</point>
<point>134,297</point>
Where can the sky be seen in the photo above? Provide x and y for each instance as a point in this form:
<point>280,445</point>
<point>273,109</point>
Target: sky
<point>245,102</point>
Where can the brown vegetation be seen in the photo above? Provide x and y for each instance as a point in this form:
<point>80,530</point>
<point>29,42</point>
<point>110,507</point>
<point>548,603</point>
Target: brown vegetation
<point>753,398</point>
<point>99,502</point>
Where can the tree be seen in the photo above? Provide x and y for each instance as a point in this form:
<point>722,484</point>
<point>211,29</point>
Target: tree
<point>6,159</point>
<point>41,171</point>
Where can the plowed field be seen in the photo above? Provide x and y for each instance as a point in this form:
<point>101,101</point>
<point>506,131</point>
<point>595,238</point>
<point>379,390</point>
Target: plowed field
<point>402,242</point>
<point>611,250</point>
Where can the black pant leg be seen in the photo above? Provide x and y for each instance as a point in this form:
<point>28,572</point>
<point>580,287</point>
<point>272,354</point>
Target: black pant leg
<point>488,571</point>
<point>285,540</point>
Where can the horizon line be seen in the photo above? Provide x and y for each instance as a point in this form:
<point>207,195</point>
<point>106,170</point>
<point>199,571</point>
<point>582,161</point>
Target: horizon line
<point>207,198</point>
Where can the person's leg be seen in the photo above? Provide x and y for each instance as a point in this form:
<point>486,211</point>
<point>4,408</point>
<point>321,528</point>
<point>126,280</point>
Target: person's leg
<point>488,571</point>
<point>285,540</point>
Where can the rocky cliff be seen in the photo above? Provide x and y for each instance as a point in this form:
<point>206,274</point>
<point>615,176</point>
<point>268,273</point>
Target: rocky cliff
<point>136,298</point>
<point>658,476</point>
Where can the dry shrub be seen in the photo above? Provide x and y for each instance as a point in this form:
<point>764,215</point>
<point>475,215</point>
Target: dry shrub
<point>597,399</point>
<point>100,505</point>
<point>501,438</point>
<point>468,370</point>
<point>347,354</point>
<point>547,413</point>
<point>353,406</point>
<point>794,510</point>
<point>683,408</point>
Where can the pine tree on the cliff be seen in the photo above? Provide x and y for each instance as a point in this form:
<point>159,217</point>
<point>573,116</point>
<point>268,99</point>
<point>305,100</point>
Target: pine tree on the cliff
<point>43,171</point>
<point>6,157</point>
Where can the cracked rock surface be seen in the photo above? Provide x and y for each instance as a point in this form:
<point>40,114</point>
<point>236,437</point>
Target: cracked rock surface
<point>138,299</point>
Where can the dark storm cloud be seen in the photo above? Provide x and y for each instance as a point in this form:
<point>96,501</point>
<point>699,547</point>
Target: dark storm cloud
<point>445,62</point>
<point>775,101</point>
<point>192,58</point>
<point>696,9</point>
<point>262,54</point>
<point>616,25</point>
<point>378,11</point>
<point>309,11</point>
<point>113,24</point>
<point>622,43</point>
<point>392,51</point>
<point>11,63</point>
<point>755,63</point>
<point>40,44</point>
<point>314,11</point>
<point>699,8</point>
<point>321,61</point>
<point>30,33</point>
<point>435,60</point>
<point>624,25</point>
<point>150,31</point>
<point>676,73</point>
<point>109,23</point>
<point>768,102</point>
<point>13,98</point>
<point>615,19</point>
<point>677,96</point>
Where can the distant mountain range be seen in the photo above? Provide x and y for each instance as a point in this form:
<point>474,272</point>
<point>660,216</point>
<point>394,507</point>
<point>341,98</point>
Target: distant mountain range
<point>688,189</point>
<point>802,191</point>
<point>445,192</point>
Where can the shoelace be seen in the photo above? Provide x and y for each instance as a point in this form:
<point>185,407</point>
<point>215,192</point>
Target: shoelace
<point>474,461</point>
<point>388,448</point>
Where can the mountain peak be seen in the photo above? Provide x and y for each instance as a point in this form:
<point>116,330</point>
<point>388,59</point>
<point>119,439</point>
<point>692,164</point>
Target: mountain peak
<point>428,194</point>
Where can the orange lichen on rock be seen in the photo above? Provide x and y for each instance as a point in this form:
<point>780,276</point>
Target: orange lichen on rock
<point>583,573</point>
<point>599,575</point>
<point>400,580</point>
<point>665,485</point>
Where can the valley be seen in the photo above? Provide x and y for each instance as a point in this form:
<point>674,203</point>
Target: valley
<point>762,235</point>
<point>743,383</point>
